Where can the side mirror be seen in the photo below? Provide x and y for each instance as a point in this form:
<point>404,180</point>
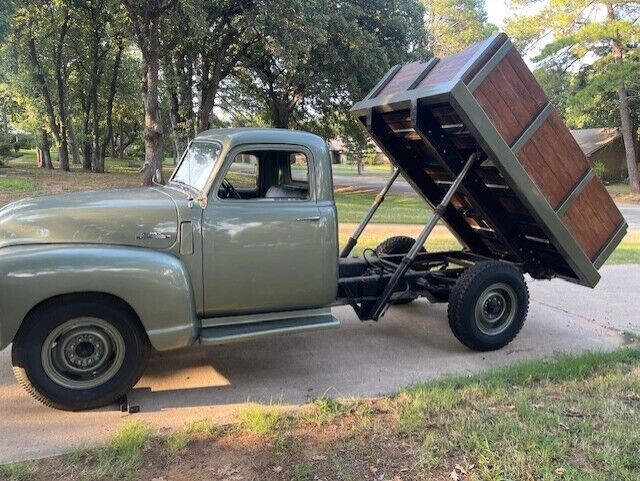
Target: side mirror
<point>157,177</point>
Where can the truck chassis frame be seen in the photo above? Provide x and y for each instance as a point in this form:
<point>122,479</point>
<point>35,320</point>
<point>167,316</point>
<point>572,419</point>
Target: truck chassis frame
<point>388,276</point>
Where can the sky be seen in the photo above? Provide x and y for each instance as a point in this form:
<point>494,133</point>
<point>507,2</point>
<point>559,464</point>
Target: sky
<point>496,11</point>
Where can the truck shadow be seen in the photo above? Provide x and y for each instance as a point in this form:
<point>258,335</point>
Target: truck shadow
<point>411,343</point>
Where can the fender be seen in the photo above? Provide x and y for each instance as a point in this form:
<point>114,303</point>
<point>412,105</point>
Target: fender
<point>155,284</point>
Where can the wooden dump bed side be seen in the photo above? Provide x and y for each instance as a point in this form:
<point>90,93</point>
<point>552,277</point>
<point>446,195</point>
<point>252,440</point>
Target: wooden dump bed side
<point>532,196</point>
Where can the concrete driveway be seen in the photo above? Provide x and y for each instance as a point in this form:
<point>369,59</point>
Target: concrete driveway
<point>412,343</point>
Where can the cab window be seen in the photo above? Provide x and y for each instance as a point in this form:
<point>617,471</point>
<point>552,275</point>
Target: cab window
<point>274,175</point>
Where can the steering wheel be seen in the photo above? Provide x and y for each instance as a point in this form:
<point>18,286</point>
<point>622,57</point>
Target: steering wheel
<point>230,191</point>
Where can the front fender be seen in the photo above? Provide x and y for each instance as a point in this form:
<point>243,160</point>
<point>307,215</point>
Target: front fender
<point>155,284</point>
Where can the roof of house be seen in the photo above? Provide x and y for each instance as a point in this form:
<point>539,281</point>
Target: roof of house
<point>592,140</point>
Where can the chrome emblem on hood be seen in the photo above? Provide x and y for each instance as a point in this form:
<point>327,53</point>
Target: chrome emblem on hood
<point>152,235</point>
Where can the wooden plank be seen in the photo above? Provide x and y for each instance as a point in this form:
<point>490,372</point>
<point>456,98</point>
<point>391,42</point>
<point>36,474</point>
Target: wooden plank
<point>593,218</point>
<point>553,160</point>
<point>448,68</point>
<point>526,77</point>
<point>402,79</point>
<point>501,116</point>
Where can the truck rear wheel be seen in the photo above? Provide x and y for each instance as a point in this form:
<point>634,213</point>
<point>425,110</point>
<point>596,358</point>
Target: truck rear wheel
<point>79,353</point>
<point>399,245</point>
<point>488,305</point>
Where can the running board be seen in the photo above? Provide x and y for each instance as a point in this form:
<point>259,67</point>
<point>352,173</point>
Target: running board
<point>253,330</point>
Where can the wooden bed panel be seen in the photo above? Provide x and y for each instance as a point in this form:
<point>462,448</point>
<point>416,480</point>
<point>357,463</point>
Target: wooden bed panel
<point>511,97</point>
<point>401,80</point>
<point>449,67</point>
<point>593,218</point>
<point>553,159</point>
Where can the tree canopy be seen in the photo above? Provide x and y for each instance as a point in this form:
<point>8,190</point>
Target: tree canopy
<point>588,60</point>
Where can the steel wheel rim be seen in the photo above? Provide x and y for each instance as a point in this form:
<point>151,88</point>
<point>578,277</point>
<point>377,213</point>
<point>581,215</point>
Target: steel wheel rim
<point>496,309</point>
<point>83,353</point>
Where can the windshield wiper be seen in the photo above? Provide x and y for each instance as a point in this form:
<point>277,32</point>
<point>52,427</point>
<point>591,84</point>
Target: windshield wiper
<point>181,183</point>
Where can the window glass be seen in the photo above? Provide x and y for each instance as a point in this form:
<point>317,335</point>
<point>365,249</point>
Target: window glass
<point>275,175</point>
<point>243,173</point>
<point>196,166</point>
<point>299,167</point>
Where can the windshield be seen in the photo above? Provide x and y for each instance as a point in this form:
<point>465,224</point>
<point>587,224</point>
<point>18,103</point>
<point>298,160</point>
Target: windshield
<point>197,164</point>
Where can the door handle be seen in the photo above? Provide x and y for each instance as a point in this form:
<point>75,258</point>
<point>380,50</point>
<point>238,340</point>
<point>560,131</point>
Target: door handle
<point>314,218</point>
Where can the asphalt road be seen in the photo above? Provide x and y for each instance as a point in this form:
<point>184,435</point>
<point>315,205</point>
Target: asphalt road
<point>412,343</point>
<point>631,212</point>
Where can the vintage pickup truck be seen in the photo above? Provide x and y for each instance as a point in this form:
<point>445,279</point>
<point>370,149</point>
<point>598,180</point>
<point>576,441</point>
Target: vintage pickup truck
<point>242,241</point>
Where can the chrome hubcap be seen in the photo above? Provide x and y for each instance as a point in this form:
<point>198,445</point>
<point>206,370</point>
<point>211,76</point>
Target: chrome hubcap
<point>83,353</point>
<point>495,309</point>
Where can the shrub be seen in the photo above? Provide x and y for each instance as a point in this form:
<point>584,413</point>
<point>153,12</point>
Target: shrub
<point>599,168</point>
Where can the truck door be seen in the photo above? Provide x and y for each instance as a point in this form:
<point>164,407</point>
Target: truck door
<point>267,247</point>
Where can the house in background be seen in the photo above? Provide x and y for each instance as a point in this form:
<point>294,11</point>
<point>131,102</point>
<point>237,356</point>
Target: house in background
<point>604,145</point>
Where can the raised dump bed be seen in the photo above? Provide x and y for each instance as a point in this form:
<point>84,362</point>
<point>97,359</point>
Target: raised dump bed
<point>531,196</point>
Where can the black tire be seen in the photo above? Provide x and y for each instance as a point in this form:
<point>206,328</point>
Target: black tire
<point>399,245</point>
<point>29,358</point>
<point>488,305</point>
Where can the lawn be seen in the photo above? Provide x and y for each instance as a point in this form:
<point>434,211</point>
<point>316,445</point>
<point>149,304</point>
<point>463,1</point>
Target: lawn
<point>621,193</point>
<point>353,204</point>
<point>351,169</point>
<point>570,418</point>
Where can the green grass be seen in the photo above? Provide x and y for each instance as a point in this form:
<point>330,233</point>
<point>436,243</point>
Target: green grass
<point>261,420</point>
<point>352,169</point>
<point>120,458</point>
<point>626,253</point>
<point>396,209</point>
<point>618,189</point>
<point>16,184</point>
<point>18,471</point>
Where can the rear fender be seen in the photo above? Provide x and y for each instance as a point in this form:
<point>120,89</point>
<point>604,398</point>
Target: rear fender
<point>156,285</point>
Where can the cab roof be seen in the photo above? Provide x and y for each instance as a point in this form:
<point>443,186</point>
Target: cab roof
<point>252,135</point>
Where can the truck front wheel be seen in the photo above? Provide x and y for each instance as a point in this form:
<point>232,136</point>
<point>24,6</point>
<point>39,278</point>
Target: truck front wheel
<point>79,353</point>
<point>488,305</point>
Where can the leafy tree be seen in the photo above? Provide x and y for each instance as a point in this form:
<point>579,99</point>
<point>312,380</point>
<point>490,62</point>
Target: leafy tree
<point>598,38</point>
<point>452,25</point>
<point>316,57</point>
<point>40,30</point>
<point>99,42</point>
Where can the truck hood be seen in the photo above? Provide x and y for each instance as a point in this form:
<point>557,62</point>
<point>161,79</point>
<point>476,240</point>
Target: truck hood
<point>133,217</point>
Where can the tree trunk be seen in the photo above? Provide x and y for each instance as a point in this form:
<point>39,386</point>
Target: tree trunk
<point>63,148</point>
<point>44,91</point>
<point>86,143</point>
<point>95,132</point>
<point>75,147</point>
<point>206,106</point>
<point>280,114</point>
<point>174,118</point>
<point>360,165</point>
<point>152,120</point>
<point>113,86</point>
<point>120,141</point>
<point>626,123</point>
<point>626,129</point>
<point>45,151</point>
